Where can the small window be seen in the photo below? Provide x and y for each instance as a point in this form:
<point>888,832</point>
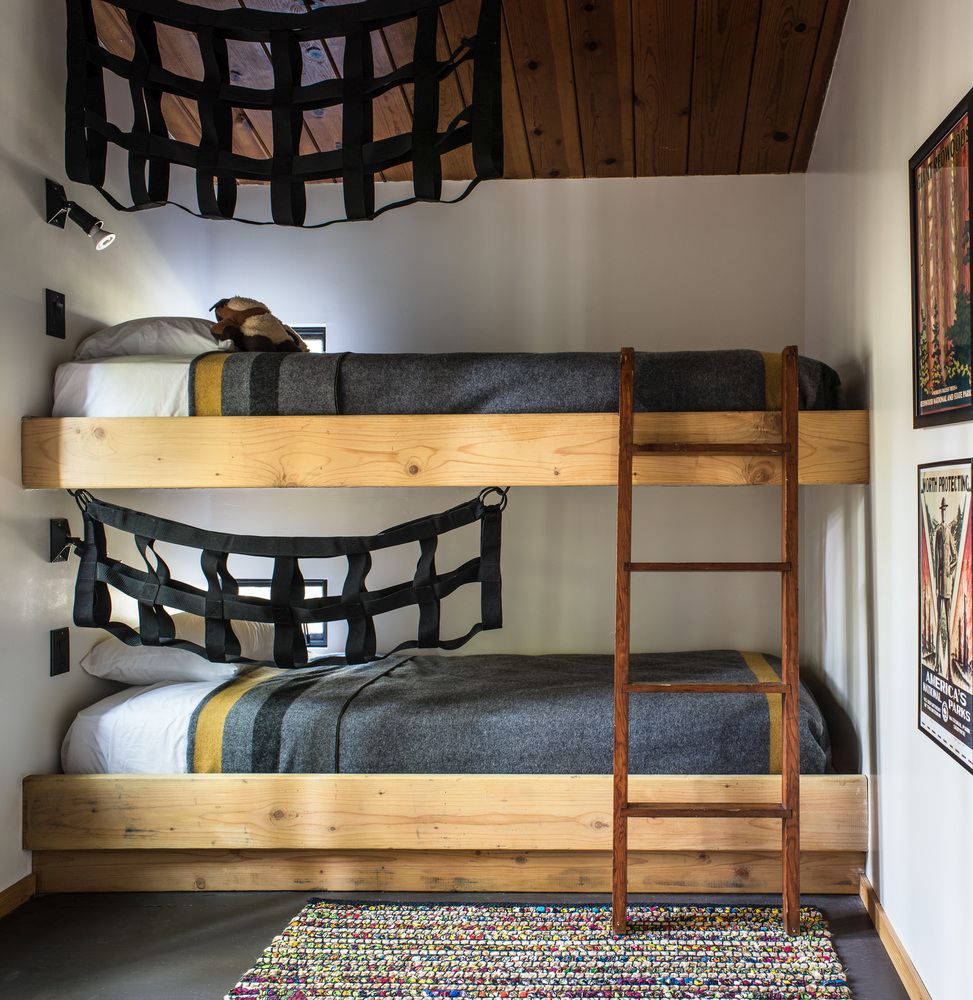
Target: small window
<point>316,633</point>
<point>315,337</point>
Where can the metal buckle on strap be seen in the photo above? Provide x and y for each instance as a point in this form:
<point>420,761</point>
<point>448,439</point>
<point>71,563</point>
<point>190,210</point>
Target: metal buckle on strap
<point>500,491</point>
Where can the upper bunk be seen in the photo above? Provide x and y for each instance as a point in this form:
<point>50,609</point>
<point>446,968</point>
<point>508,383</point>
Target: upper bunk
<point>429,420</point>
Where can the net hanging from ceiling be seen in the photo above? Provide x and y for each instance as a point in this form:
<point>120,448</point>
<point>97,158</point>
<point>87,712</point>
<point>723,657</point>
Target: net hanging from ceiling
<point>290,71</point>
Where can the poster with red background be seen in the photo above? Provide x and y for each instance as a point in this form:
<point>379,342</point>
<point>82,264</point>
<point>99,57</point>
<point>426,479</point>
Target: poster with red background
<point>941,273</point>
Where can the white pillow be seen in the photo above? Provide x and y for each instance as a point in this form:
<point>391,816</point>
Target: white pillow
<point>180,335</point>
<point>112,660</point>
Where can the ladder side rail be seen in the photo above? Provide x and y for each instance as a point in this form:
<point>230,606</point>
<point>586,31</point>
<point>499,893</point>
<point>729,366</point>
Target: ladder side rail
<point>623,622</point>
<point>790,667</point>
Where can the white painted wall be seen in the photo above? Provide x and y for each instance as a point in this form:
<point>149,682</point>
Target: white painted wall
<point>155,266</point>
<point>545,266</point>
<point>902,66</point>
<point>542,265</point>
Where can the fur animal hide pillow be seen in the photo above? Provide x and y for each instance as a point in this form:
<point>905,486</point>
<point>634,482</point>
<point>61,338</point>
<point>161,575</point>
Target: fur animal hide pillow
<point>251,326</point>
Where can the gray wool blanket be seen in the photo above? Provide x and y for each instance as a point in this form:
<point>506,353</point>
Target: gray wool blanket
<point>496,714</point>
<point>266,384</point>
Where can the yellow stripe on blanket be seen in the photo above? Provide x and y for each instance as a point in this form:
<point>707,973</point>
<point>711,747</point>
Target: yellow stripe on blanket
<point>208,384</point>
<point>772,377</point>
<point>765,673</point>
<point>208,749</point>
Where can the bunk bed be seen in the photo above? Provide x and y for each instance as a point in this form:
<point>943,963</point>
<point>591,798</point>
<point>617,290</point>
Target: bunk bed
<point>428,420</point>
<point>423,831</point>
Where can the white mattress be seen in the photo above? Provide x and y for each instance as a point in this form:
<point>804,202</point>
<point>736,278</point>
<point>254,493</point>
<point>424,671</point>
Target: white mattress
<point>139,730</point>
<point>139,386</point>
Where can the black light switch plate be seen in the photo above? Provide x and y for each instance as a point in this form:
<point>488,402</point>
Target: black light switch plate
<point>60,651</point>
<point>54,303</point>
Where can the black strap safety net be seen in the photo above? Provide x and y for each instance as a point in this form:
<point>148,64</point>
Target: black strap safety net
<point>287,609</point>
<point>316,96</point>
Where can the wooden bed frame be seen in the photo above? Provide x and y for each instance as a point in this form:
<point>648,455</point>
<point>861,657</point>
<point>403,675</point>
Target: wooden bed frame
<point>426,832</point>
<point>478,833</point>
<point>560,449</point>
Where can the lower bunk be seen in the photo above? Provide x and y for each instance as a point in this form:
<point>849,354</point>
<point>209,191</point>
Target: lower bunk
<point>531,810</point>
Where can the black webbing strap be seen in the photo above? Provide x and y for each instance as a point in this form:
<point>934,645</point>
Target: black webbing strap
<point>486,107</point>
<point>287,196</point>
<point>426,165</point>
<point>357,123</point>
<point>219,100</point>
<point>86,151</point>
<point>221,642</point>
<point>215,193</point>
<point>155,624</point>
<point>288,609</point>
<point>148,117</point>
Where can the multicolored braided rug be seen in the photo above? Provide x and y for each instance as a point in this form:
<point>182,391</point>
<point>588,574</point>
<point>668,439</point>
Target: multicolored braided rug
<point>336,949</point>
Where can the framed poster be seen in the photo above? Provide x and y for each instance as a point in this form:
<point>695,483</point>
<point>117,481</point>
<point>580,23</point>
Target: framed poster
<point>940,181</point>
<point>946,607</point>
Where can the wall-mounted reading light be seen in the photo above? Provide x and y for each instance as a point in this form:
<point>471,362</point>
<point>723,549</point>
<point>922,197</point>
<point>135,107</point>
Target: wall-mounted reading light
<point>59,209</point>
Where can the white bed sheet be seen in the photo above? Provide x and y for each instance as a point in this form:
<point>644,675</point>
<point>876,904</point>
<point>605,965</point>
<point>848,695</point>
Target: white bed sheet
<point>139,730</point>
<point>139,386</point>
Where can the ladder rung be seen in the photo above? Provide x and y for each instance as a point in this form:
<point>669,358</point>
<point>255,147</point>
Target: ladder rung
<point>687,687</point>
<point>715,810</point>
<point>708,567</point>
<point>702,448</point>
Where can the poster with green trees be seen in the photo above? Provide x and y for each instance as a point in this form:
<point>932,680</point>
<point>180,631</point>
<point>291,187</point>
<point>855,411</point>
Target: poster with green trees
<point>941,188</point>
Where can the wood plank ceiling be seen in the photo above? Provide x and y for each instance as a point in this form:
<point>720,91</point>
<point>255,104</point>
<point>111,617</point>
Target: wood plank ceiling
<point>591,88</point>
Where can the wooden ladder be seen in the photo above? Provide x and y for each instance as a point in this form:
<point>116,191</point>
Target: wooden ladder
<point>787,810</point>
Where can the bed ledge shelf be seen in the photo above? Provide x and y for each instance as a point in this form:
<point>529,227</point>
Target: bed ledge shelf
<point>534,449</point>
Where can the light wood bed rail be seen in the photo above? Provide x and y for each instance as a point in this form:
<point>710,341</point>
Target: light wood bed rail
<point>563,449</point>
<point>423,832</point>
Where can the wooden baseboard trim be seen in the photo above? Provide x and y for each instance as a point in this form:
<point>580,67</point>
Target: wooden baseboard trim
<point>14,896</point>
<point>914,986</point>
<point>434,871</point>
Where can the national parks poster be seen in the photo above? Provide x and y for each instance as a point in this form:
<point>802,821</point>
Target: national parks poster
<point>940,213</point>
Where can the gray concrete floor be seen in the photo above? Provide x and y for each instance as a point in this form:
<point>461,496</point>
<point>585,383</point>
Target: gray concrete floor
<point>195,946</point>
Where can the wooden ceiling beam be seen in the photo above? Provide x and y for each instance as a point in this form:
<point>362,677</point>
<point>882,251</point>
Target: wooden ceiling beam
<point>517,163</point>
<point>786,43</point>
<point>601,49</point>
<point>663,41</point>
<point>824,58</point>
<point>540,43</point>
<point>726,39</point>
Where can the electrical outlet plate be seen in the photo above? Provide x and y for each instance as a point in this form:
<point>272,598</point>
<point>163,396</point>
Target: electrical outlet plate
<point>60,651</point>
<point>54,311</point>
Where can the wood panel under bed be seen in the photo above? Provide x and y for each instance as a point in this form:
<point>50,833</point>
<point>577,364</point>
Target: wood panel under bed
<point>469,832</point>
